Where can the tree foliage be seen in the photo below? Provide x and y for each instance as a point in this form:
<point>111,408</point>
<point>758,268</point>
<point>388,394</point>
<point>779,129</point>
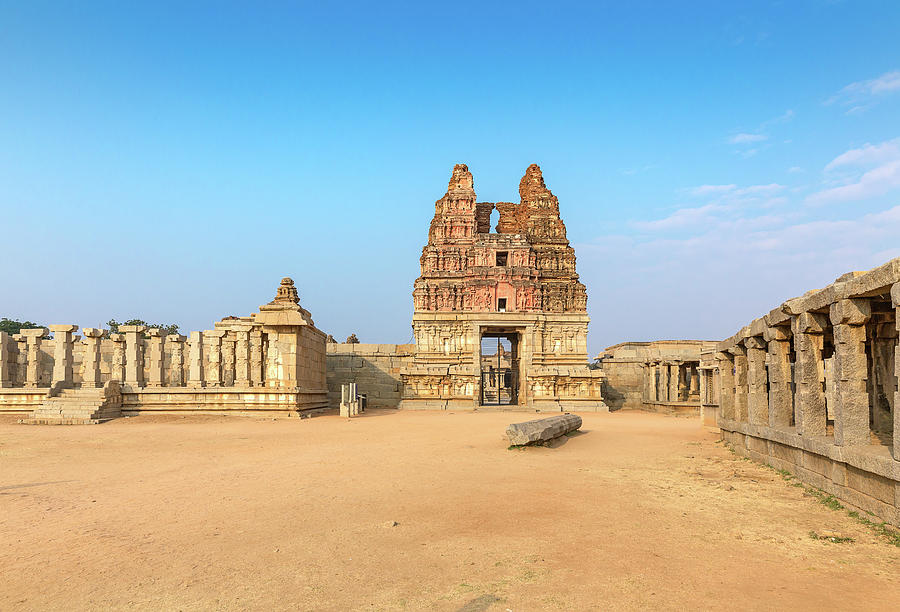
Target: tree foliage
<point>13,326</point>
<point>166,328</point>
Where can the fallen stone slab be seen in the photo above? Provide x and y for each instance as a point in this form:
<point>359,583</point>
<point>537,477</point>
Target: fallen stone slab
<point>542,430</point>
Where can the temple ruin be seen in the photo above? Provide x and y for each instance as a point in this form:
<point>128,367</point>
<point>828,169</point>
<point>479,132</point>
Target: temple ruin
<point>500,318</point>
<point>811,387</point>
<point>271,361</point>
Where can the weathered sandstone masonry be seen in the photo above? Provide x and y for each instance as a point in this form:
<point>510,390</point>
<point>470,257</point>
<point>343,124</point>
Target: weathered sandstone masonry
<point>272,360</point>
<point>375,368</point>
<point>500,318</point>
<point>811,387</point>
<point>660,376</point>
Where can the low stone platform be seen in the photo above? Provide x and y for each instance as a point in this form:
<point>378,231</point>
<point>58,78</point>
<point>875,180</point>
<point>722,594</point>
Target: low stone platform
<point>86,406</point>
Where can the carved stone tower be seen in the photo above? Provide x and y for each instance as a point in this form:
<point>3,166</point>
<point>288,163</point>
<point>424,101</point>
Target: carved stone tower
<point>511,297</point>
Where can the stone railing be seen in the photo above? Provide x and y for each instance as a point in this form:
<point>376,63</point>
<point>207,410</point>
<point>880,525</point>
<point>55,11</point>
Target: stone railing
<point>812,387</point>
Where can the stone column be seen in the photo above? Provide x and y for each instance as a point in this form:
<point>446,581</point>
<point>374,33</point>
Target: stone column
<point>213,340</point>
<point>134,354</point>
<point>7,366</point>
<point>757,381</point>
<point>851,411</point>
<point>703,388</point>
<point>117,372</point>
<point>695,380</point>
<point>62,355</point>
<point>809,372</point>
<point>646,370</point>
<point>195,371</point>
<point>256,358</point>
<point>741,386</point>
<point>90,358</point>
<point>242,358</point>
<point>781,401</point>
<point>674,381</point>
<point>156,376</point>
<point>663,382</point>
<point>228,360</point>
<point>726,385</point>
<point>895,299</point>
<point>654,388</point>
<point>21,358</point>
<point>176,360</point>
<point>33,368</point>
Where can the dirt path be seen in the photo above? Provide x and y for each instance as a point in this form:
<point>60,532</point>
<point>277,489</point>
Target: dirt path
<point>234,513</point>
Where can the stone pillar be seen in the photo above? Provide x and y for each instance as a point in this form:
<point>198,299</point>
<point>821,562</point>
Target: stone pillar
<point>695,380</point>
<point>674,381</point>
<point>118,359</point>
<point>895,299</point>
<point>647,372</point>
<point>196,376</point>
<point>156,376</point>
<point>273,368</point>
<point>741,386</point>
<point>757,381</point>
<point>228,360</point>
<point>851,367</point>
<point>7,366</point>
<point>63,359</point>
<point>726,385</point>
<point>663,382</point>
<point>33,368</point>
<point>213,341</point>
<point>781,401</point>
<point>654,387</point>
<point>256,358</point>
<point>134,354</point>
<point>90,358</point>
<point>809,373</point>
<point>703,388</point>
<point>176,370</point>
<point>21,358</point>
<point>242,357</point>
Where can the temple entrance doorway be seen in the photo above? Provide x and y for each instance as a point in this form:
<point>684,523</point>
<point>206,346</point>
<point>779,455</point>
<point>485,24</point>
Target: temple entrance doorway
<point>499,367</point>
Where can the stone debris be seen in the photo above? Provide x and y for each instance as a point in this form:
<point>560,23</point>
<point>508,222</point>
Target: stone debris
<point>542,430</point>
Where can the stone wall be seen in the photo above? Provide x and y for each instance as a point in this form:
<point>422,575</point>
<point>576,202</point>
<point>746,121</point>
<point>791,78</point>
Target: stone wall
<point>659,376</point>
<point>375,368</point>
<point>811,387</point>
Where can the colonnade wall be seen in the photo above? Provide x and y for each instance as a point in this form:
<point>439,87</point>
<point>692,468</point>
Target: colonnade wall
<point>661,376</point>
<point>811,387</point>
<point>271,360</point>
<point>375,368</point>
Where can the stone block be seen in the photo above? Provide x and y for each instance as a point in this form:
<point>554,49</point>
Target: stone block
<point>542,430</point>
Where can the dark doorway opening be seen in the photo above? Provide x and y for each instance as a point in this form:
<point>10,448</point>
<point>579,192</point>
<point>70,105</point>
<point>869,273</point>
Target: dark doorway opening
<point>499,368</point>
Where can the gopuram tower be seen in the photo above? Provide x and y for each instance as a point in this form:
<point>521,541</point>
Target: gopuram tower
<point>500,318</point>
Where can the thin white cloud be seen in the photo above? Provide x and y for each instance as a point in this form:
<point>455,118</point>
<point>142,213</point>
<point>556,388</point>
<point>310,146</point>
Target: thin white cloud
<point>867,154</point>
<point>860,95</point>
<point>744,138</point>
<point>871,184</point>
<point>858,174</point>
<point>795,169</point>
<point>704,190</point>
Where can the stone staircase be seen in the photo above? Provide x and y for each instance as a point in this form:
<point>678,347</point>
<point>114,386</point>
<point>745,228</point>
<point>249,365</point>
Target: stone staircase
<point>86,406</point>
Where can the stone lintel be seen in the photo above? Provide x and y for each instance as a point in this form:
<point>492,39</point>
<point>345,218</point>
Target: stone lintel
<point>39,332</point>
<point>755,342</point>
<point>93,332</point>
<point>851,312</point>
<point>154,332</point>
<point>176,338</point>
<point>780,332</point>
<point>136,329</point>
<point>64,329</point>
<point>811,323</point>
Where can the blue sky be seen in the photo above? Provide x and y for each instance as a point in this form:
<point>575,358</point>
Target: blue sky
<point>172,161</point>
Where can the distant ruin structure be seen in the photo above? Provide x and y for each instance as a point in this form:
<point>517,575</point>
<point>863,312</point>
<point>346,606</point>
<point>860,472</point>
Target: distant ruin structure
<point>512,297</point>
<point>271,361</point>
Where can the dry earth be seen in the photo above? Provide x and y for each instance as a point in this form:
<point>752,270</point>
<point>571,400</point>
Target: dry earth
<point>409,510</point>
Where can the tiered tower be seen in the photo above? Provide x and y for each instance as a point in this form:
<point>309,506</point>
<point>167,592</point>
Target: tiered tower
<point>519,284</point>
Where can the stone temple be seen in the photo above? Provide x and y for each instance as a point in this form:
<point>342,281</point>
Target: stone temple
<point>511,296</point>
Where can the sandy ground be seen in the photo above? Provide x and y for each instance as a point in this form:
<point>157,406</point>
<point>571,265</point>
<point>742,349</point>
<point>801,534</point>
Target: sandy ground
<point>228,513</point>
